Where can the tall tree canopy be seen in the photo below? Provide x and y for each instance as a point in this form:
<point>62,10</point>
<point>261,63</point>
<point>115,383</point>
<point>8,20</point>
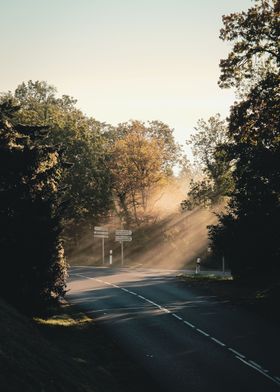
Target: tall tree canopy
<point>141,157</point>
<point>88,183</point>
<point>254,35</point>
<point>247,232</point>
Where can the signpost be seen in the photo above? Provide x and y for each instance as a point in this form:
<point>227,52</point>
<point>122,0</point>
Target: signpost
<point>123,232</point>
<point>101,232</point>
<point>123,236</point>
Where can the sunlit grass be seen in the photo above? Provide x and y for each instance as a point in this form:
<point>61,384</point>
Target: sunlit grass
<point>204,278</point>
<point>64,316</point>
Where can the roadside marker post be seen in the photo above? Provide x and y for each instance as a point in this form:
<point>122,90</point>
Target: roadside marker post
<point>111,257</point>
<point>122,236</point>
<point>197,270</point>
<point>101,232</point>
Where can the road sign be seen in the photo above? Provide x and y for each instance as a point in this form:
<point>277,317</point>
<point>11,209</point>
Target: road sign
<point>123,238</point>
<point>96,235</point>
<point>101,232</point>
<point>123,232</point>
<point>99,228</point>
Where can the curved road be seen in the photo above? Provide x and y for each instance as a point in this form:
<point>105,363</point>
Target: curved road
<point>184,340</point>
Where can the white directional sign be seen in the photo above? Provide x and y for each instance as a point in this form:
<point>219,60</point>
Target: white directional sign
<point>97,235</point>
<point>123,232</point>
<point>123,238</point>
<point>99,228</point>
<point>101,232</point>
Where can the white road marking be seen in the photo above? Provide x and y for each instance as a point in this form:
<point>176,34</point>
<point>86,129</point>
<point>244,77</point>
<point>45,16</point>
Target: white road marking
<point>164,309</point>
<point>203,333</point>
<point>237,355</point>
<point>151,302</point>
<point>236,352</point>
<point>189,324</point>
<point>177,317</point>
<point>259,370</point>
<point>112,284</point>
<point>256,364</point>
<point>217,341</point>
<point>84,276</point>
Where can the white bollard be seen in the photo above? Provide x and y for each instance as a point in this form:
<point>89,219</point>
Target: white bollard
<point>111,257</point>
<point>197,270</point>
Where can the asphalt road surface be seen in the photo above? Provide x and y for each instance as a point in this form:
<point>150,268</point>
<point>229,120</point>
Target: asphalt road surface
<point>185,341</point>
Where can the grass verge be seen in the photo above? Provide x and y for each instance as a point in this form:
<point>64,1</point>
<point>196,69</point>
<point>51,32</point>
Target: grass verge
<point>262,299</point>
<point>63,351</point>
<point>101,361</point>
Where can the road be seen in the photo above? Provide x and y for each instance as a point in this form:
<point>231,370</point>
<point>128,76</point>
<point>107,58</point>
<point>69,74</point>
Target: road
<point>184,340</point>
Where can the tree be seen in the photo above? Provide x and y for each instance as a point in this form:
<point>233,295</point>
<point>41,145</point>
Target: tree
<point>88,183</point>
<point>210,158</point>
<point>247,231</point>
<point>33,265</point>
<point>141,157</point>
<point>255,37</point>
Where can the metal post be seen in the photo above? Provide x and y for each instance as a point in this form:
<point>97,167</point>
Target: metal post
<point>122,250</point>
<point>103,252</point>
<point>223,264</point>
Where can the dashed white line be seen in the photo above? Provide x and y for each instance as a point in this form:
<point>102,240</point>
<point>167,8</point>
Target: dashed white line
<point>189,324</point>
<point>203,333</point>
<point>259,370</point>
<point>177,317</point>
<point>113,285</point>
<point>86,277</point>
<point>151,302</point>
<point>256,364</point>
<point>164,309</point>
<point>236,352</point>
<point>238,355</point>
<point>217,341</point>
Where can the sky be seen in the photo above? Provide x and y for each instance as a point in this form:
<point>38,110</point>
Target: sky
<point>122,59</point>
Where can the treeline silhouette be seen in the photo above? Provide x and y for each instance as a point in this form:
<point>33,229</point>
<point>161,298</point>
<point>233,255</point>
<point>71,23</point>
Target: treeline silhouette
<point>33,268</point>
<point>241,157</point>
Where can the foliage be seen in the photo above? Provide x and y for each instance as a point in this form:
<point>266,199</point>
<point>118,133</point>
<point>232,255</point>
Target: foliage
<point>208,146</point>
<point>247,233</point>
<point>255,37</point>
<point>33,268</point>
<point>141,157</point>
<point>88,183</point>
